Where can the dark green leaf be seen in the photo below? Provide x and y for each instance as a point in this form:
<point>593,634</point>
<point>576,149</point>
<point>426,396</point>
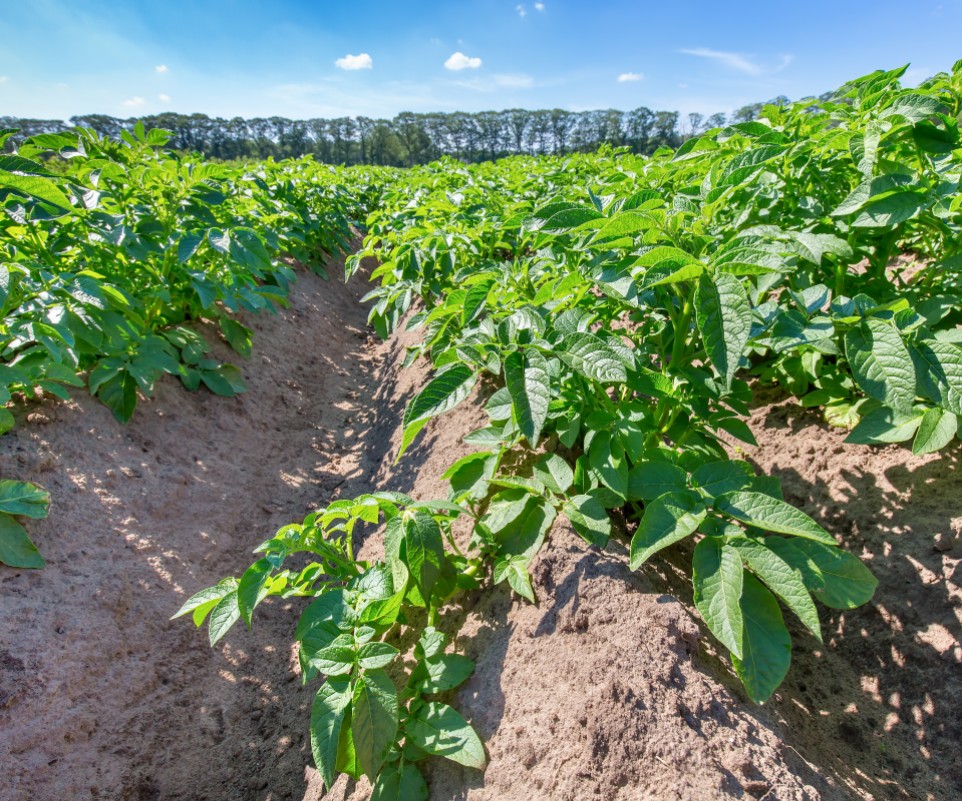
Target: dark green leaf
<point>766,644</point>
<point>606,456</point>
<point>515,570</point>
<point>884,425</point>
<point>445,391</point>
<point>939,368</point>
<point>16,548</point>
<point>782,579</point>
<point>717,478</point>
<point>424,550</point>
<point>526,376</point>
<point>251,590</point>
<point>881,363</point>
<point>589,518</point>
<point>374,720</point>
<point>224,615</point>
<point>400,784</point>
<point>937,429</point>
<point>446,671</point>
<point>717,576</point>
<point>887,210</point>
<point>374,655</point>
<point>648,480</point>
<point>440,730</point>
<point>667,519</point>
<point>554,472</point>
<point>771,514</point>
<point>328,712</point>
<point>22,498</point>
<point>724,318</point>
<point>589,356</point>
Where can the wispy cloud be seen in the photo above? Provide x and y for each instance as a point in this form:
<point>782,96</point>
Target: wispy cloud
<point>163,98</point>
<point>515,81</point>
<point>737,61</point>
<point>335,98</point>
<point>4,78</point>
<point>522,11</point>
<point>539,6</point>
<point>629,77</point>
<point>458,61</point>
<point>362,61</point>
<point>496,83</point>
<point>161,68</point>
<point>133,102</point>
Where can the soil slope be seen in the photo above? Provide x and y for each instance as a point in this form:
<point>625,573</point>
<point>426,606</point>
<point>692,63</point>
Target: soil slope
<point>608,688</point>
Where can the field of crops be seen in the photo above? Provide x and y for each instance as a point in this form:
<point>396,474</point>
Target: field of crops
<point>613,328</point>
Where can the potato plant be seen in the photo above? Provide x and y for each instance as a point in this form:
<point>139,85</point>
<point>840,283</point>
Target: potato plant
<point>614,309</point>
<point>20,499</point>
<point>111,252</point>
<point>111,248</point>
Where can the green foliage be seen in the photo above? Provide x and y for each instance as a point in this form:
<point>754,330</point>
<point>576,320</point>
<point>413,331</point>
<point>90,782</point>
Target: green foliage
<point>613,308</point>
<point>112,252</point>
<point>24,500</point>
<point>108,258</point>
<point>375,714</point>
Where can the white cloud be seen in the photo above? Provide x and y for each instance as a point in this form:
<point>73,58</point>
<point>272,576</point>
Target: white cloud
<point>160,68</point>
<point>4,78</point>
<point>539,6</point>
<point>362,61</point>
<point>516,81</point>
<point>737,61</point>
<point>522,11</point>
<point>164,98</point>
<point>627,77</point>
<point>458,61</point>
<point>787,59</point>
<point>133,102</point>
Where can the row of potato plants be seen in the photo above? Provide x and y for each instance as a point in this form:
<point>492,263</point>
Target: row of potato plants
<point>112,251</point>
<point>611,311</point>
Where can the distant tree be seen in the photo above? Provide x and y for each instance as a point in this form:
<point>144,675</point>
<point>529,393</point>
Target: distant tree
<point>539,131</point>
<point>715,121</point>
<point>639,125</point>
<point>666,129</point>
<point>411,138</point>
<point>561,124</point>
<point>696,122</point>
<point>517,121</point>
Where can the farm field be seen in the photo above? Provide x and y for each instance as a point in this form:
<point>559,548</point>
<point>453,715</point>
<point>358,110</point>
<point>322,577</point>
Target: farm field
<point>616,473</point>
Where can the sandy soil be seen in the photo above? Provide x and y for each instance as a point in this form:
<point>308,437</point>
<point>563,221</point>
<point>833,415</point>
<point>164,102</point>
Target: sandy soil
<point>607,689</point>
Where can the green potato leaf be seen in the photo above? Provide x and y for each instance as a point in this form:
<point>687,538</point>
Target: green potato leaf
<point>438,729</point>
<point>717,576</point>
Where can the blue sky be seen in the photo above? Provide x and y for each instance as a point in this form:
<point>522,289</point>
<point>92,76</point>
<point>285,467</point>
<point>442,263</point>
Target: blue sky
<point>321,59</point>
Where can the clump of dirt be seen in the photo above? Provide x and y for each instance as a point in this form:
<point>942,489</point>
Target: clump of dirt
<point>608,688</point>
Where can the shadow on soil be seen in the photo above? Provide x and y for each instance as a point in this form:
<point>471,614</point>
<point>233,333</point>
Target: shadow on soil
<point>878,704</point>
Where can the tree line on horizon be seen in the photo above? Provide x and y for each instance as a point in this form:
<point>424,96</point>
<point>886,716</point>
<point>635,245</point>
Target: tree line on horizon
<point>410,138</point>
